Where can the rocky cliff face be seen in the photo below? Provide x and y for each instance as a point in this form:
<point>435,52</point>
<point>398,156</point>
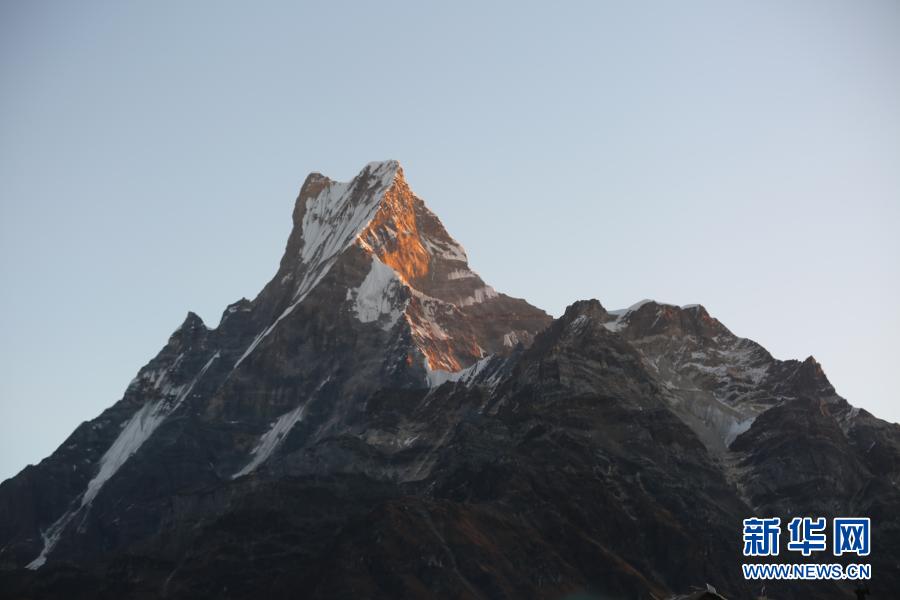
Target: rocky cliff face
<point>378,422</point>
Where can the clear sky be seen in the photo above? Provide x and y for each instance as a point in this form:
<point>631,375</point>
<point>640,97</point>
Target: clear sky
<point>741,155</point>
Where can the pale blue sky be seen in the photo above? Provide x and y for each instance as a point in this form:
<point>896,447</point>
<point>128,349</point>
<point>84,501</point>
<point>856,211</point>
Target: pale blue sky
<point>743,155</point>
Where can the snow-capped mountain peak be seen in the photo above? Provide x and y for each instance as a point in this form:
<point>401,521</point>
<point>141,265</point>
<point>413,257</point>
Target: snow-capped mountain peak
<point>377,391</point>
<point>378,213</point>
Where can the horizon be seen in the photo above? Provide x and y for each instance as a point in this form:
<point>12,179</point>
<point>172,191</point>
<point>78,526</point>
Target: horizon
<point>741,157</point>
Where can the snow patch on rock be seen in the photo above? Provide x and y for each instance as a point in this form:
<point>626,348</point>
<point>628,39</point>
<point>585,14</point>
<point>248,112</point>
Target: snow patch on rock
<point>276,434</point>
<point>510,339</point>
<point>136,431</point>
<point>461,274</point>
<point>446,249</point>
<point>623,315</point>
<point>479,296</point>
<point>621,312</point>
<point>272,439</point>
<point>378,296</point>
<point>737,428</point>
<point>436,378</point>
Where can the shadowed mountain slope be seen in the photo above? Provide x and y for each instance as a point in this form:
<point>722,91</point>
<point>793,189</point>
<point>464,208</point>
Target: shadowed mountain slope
<point>378,422</point>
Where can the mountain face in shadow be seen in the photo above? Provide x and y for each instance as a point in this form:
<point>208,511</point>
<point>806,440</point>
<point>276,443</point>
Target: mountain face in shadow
<point>380,423</point>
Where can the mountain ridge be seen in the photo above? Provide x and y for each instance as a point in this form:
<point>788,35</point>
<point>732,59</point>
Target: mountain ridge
<point>380,422</point>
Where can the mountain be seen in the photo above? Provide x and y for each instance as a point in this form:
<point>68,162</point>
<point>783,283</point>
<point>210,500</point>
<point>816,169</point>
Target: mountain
<point>378,422</point>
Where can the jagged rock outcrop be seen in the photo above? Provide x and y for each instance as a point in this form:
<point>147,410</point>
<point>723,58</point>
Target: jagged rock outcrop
<point>378,422</point>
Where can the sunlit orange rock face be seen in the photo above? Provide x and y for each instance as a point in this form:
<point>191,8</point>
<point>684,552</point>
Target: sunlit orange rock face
<point>454,317</point>
<point>394,234</point>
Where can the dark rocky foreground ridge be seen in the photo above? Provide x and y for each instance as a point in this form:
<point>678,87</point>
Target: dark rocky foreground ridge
<point>379,423</point>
